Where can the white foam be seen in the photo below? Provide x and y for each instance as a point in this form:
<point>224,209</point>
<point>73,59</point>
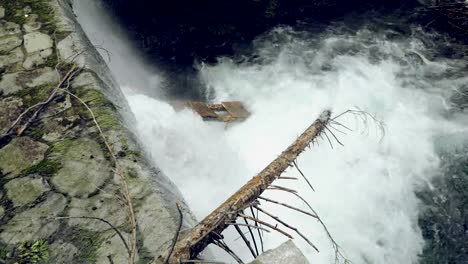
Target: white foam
<point>364,191</point>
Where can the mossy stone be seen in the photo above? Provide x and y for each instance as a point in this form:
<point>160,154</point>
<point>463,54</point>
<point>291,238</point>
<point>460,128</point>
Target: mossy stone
<point>34,224</point>
<point>20,154</point>
<point>84,167</point>
<point>25,190</point>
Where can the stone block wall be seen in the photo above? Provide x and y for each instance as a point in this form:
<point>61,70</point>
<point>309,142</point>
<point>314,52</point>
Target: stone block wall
<point>60,168</point>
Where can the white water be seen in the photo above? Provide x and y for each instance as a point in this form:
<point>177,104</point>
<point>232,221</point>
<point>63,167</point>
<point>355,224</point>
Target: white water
<point>364,190</point>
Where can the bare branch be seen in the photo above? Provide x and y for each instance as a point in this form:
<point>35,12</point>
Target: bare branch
<point>288,226</point>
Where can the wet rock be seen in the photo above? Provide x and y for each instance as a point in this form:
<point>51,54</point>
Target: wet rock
<point>35,223</point>
<point>25,190</point>
<point>20,154</point>
<point>114,249</point>
<point>157,233</point>
<point>9,111</point>
<point>105,206</point>
<point>84,167</point>
<point>37,41</point>
<point>9,28</point>
<point>8,84</point>
<point>9,43</point>
<point>71,48</point>
<point>13,82</point>
<point>285,253</point>
<point>85,79</point>
<point>36,59</point>
<point>62,252</point>
<point>12,57</point>
<point>39,77</point>
<point>32,24</point>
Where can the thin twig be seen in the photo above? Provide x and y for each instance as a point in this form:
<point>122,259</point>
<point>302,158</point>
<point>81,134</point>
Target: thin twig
<point>287,178</point>
<point>281,188</point>
<point>176,235</point>
<point>259,228</point>
<point>99,219</point>
<point>287,206</point>
<point>246,241</point>
<point>303,176</point>
<point>266,224</point>
<point>252,235</point>
<point>326,127</point>
<point>249,225</point>
<point>288,226</point>
<point>225,247</point>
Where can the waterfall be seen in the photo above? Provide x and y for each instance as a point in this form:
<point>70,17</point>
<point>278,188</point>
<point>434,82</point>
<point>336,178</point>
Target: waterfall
<point>365,190</point>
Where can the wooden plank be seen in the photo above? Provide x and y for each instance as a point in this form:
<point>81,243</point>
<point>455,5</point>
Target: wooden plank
<point>202,110</point>
<point>236,109</point>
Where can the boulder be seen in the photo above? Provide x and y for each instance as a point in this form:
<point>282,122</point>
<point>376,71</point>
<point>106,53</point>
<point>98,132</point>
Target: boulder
<point>285,253</point>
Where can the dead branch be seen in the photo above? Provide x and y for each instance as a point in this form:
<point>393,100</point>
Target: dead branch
<point>196,239</point>
<point>287,206</point>
<point>303,176</point>
<point>252,235</point>
<point>266,224</point>
<point>252,226</point>
<point>287,178</point>
<point>288,226</point>
<point>259,228</point>
<point>246,241</point>
<point>223,246</point>
<point>41,105</point>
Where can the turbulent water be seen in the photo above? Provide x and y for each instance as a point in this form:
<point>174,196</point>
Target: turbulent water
<point>365,190</point>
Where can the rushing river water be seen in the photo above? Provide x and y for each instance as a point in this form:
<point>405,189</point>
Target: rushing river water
<point>366,189</point>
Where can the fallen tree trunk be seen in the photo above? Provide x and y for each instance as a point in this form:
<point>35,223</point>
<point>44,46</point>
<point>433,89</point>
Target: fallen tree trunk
<point>190,244</point>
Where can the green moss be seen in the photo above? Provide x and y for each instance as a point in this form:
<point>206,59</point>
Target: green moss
<point>44,168</point>
<point>27,252</point>
<point>15,13</point>
<point>133,153</point>
<point>60,147</point>
<point>103,110</point>
<point>34,95</point>
<point>89,244</point>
